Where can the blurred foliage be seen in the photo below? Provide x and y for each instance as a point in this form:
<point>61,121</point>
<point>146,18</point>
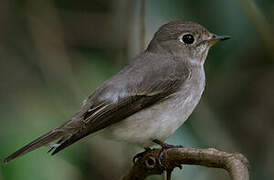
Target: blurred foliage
<point>54,53</point>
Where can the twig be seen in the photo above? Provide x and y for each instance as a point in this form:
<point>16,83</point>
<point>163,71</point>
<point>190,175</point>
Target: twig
<point>236,164</point>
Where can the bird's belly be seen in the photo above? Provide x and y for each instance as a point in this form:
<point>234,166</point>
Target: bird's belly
<point>156,122</point>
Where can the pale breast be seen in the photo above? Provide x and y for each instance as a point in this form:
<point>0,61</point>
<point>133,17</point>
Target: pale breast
<point>162,119</point>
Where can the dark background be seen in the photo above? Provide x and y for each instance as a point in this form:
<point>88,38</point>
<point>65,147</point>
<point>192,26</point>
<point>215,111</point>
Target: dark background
<point>54,53</point>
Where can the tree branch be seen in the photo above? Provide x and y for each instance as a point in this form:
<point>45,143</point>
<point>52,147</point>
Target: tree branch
<point>236,164</point>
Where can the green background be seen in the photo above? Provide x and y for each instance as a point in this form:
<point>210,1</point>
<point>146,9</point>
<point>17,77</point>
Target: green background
<point>54,53</point>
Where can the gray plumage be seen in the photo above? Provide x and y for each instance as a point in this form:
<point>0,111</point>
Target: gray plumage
<point>148,99</point>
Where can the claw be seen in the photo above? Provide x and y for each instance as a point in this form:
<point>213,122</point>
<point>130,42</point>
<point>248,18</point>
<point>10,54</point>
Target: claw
<point>141,154</point>
<point>165,147</point>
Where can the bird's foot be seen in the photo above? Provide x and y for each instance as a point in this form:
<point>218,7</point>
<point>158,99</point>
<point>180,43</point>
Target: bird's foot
<point>165,147</point>
<point>141,154</point>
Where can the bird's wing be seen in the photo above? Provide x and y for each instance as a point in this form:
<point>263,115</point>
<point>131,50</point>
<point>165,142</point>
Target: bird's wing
<point>124,94</point>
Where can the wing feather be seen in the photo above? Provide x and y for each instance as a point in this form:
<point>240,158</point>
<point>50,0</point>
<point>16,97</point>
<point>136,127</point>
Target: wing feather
<point>106,107</point>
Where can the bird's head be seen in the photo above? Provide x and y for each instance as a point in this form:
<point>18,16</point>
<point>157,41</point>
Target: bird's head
<point>183,39</point>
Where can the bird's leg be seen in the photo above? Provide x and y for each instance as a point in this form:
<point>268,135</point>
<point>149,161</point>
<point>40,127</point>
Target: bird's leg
<point>141,154</point>
<point>165,146</point>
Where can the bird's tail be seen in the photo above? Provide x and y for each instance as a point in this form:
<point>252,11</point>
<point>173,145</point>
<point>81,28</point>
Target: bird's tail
<point>41,141</point>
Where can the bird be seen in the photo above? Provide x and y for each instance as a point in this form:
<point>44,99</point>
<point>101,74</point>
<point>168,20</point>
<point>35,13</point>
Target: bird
<point>148,99</point>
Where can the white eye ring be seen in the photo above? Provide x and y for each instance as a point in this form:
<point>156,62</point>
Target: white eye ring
<point>187,38</point>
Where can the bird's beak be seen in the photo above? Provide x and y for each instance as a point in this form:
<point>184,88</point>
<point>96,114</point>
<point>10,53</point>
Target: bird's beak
<point>216,38</point>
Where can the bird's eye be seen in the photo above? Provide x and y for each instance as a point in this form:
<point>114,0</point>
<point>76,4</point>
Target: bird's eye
<point>187,39</point>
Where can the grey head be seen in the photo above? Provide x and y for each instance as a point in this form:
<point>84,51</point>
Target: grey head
<point>184,39</point>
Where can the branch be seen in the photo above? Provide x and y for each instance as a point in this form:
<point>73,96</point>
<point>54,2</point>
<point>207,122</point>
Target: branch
<point>236,164</point>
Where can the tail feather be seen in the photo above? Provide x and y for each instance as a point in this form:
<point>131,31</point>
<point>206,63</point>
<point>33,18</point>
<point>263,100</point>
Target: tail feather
<point>59,142</point>
<point>41,141</point>
<point>70,140</point>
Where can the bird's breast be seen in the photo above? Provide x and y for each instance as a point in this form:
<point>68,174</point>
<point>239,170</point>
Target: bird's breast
<point>160,120</point>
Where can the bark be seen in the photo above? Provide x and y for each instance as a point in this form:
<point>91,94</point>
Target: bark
<point>149,164</point>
